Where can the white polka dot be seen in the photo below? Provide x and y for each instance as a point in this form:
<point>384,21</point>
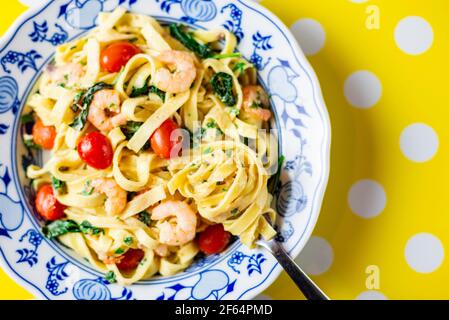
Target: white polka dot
<point>371,295</point>
<point>413,35</point>
<point>419,142</point>
<point>263,297</point>
<point>424,253</point>
<point>310,35</point>
<point>358,1</point>
<point>363,89</point>
<point>316,257</point>
<point>367,198</point>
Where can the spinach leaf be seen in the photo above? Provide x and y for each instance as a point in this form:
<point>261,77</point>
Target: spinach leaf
<point>227,55</point>
<point>88,189</point>
<point>128,241</point>
<point>30,144</point>
<point>144,217</point>
<point>223,84</point>
<point>60,228</point>
<point>80,121</point>
<point>27,118</point>
<point>146,90</point>
<point>130,129</point>
<point>201,50</point>
<point>58,185</point>
<point>111,277</point>
<point>87,228</point>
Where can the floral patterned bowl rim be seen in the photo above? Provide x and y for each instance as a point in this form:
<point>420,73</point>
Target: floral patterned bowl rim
<point>50,271</point>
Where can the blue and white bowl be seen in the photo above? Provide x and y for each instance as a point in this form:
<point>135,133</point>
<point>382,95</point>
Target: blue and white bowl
<point>51,271</point>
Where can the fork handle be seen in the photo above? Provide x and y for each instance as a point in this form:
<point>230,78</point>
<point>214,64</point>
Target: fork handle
<point>310,290</point>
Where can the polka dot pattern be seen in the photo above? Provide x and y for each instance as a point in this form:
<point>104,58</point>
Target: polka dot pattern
<point>424,253</point>
<point>419,142</point>
<point>310,35</point>
<point>371,295</point>
<point>414,35</point>
<point>367,199</point>
<point>317,256</point>
<point>363,89</point>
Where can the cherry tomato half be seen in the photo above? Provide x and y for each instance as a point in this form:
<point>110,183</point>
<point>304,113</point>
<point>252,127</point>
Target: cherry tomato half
<point>96,151</point>
<point>44,136</point>
<point>117,55</point>
<point>47,205</point>
<point>131,259</point>
<point>161,141</point>
<point>214,239</point>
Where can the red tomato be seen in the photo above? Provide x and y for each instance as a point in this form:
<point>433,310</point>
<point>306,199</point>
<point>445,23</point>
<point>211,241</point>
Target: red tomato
<point>117,55</point>
<point>96,151</point>
<point>44,136</point>
<point>214,239</point>
<point>47,205</point>
<point>131,259</point>
<point>161,139</point>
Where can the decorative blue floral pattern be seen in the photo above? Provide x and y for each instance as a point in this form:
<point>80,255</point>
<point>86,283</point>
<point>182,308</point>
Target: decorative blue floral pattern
<point>40,34</point>
<point>212,285</point>
<point>255,262</point>
<point>56,275</point>
<point>88,289</point>
<point>234,24</point>
<point>8,96</point>
<point>9,222</point>
<point>194,10</point>
<point>260,42</point>
<point>24,61</point>
<point>81,14</point>
<point>27,255</point>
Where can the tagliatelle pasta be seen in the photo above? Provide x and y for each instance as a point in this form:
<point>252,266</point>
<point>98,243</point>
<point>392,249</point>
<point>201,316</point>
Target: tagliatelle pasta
<point>141,214</point>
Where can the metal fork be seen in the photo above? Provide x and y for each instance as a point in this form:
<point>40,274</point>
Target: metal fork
<point>310,290</point>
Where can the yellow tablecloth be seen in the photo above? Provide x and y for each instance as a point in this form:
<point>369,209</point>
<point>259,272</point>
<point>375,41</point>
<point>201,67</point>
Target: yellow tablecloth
<point>383,68</point>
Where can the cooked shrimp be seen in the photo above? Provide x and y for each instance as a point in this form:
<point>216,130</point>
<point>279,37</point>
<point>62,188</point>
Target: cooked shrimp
<point>162,250</point>
<point>181,232</point>
<point>68,75</point>
<point>184,72</point>
<point>116,197</point>
<point>255,100</point>
<point>104,112</point>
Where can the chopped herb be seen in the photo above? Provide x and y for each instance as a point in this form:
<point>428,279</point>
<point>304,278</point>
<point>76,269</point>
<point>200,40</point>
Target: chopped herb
<point>87,228</point>
<point>111,277</point>
<point>66,77</point>
<point>119,251</point>
<point>130,129</point>
<point>234,111</point>
<point>128,241</point>
<point>201,50</point>
<point>62,85</point>
<point>143,261</point>
<point>73,47</point>
<point>220,183</point>
<point>225,189</point>
<point>133,40</point>
<point>211,124</point>
<point>234,211</point>
<point>80,121</point>
<point>59,228</point>
<point>27,118</point>
<point>227,55</point>
<point>207,150</point>
<point>239,67</point>
<point>58,185</point>
<point>88,189</point>
<point>144,217</point>
<point>222,84</point>
<point>83,63</point>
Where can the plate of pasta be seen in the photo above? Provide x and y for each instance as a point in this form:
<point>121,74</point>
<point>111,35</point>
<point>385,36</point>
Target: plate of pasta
<point>144,143</point>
